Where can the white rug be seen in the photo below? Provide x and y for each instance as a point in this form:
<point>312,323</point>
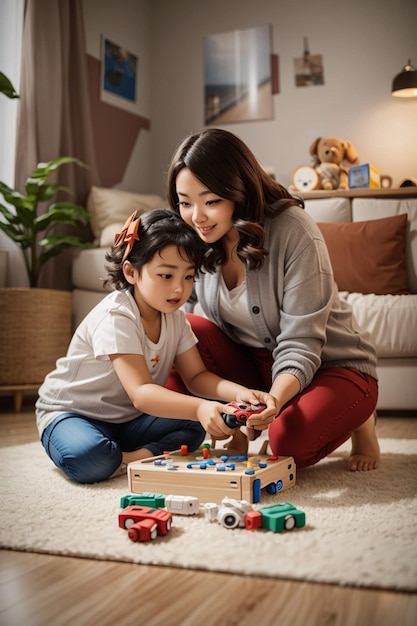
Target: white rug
<point>361,528</point>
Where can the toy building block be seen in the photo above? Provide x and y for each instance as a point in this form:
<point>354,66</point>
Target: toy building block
<point>156,500</point>
<point>210,511</point>
<point>253,520</point>
<point>140,522</point>
<point>209,485</point>
<point>364,176</point>
<point>232,512</point>
<point>282,516</point>
<point>145,530</point>
<point>182,505</point>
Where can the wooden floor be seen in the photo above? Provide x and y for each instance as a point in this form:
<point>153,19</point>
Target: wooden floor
<point>43,590</point>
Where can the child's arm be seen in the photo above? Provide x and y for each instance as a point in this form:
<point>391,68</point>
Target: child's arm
<point>151,398</point>
<point>202,382</point>
<point>148,397</point>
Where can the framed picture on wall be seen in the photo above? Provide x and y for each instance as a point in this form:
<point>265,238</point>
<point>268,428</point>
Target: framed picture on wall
<point>119,73</point>
<point>308,69</point>
<point>238,76</point>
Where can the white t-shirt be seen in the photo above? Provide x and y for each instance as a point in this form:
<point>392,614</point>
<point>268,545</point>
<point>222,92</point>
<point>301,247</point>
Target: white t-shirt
<point>234,310</point>
<point>85,382</point>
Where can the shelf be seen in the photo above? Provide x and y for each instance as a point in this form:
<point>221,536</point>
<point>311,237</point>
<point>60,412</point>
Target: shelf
<point>17,391</point>
<point>401,192</point>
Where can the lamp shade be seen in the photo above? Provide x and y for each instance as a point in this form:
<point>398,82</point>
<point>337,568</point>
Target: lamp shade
<point>404,84</point>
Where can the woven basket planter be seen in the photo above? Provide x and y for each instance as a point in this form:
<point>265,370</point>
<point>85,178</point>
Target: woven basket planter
<point>35,330</point>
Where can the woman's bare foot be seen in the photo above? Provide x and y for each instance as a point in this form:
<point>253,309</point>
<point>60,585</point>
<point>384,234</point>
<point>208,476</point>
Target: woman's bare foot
<point>365,452</point>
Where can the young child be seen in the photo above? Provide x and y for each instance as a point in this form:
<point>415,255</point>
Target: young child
<point>105,404</point>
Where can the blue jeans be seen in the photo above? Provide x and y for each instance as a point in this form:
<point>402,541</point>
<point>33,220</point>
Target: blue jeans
<point>89,451</point>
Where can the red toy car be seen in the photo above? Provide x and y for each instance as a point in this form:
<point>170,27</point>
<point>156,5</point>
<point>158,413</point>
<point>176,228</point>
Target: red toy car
<point>144,523</point>
<point>241,414</point>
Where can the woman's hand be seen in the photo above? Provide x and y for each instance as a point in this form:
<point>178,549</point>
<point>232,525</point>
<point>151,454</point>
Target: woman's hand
<point>259,421</point>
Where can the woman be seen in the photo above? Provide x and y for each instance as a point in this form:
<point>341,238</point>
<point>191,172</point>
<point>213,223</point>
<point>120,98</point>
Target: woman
<point>276,317</point>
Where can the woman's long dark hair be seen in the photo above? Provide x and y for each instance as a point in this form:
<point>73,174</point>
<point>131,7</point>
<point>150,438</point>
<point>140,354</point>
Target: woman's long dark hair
<point>158,229</point>
<point>227,167</point>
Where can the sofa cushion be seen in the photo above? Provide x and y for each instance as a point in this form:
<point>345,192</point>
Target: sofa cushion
<point>372,208</point>
<point>368,257</point>
<point>113,206</point>
<point>329,209</point>
<point>89,269</point>
<point>390,320</point>
<point>108,233</point>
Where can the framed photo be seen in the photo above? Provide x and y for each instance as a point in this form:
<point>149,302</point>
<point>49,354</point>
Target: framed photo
<point>119,72</point>
<point>308,70</point>
<point>238,76</point>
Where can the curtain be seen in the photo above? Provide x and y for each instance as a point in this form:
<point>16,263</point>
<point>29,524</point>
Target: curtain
<point>54,113</point>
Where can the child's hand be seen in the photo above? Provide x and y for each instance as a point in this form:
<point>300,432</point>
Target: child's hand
<point>209,416</point>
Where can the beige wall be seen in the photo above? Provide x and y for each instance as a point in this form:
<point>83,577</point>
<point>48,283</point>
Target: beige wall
<point>364,44</point>
<point>127,23</point>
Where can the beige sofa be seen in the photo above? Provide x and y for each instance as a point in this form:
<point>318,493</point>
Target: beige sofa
<point>391,318</point>
<point>109,209</point>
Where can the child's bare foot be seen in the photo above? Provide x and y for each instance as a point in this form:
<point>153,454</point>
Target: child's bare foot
<point>365,452</point>
<point>136,455</point>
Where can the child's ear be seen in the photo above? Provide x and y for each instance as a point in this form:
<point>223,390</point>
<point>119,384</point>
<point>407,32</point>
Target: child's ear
<point>129,272</point>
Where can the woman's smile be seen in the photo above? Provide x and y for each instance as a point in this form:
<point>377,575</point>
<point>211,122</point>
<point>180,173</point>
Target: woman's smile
<point>204,230</point>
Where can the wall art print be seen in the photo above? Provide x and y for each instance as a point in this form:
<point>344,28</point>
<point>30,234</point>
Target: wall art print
<point>238,76</point>
<point>119,70</point>
<point>308,69</point>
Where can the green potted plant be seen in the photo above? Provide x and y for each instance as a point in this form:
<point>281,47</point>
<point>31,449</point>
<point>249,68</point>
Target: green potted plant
<point>6,87</point>
<point>25,225</point>
<point>36,323</point>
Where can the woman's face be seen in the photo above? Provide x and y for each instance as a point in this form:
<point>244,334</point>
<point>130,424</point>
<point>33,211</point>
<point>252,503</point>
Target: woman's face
<point>209,214</point>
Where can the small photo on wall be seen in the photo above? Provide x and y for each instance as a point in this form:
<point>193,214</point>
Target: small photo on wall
<point>308,70</point>
<point>118,72</point>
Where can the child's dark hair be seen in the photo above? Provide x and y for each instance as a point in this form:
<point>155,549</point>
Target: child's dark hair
<point>158,229</point>
<point>226,166</point>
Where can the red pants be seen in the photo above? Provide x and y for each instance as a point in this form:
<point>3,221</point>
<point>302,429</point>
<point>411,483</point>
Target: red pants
<point>313,423</point>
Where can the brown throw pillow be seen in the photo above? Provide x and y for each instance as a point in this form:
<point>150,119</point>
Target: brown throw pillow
<point>368,257</point>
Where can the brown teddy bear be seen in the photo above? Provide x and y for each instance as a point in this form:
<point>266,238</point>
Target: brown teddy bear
<point>329,154</point>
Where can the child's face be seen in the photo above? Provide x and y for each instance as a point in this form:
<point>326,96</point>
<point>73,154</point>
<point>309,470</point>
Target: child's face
<point>209,215</point>
<point>166,282</point>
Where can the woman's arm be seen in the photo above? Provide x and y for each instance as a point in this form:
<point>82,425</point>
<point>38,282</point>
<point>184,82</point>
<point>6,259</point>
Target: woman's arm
<point>284,388</point>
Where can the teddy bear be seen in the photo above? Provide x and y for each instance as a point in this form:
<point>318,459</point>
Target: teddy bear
<point>329,154</point>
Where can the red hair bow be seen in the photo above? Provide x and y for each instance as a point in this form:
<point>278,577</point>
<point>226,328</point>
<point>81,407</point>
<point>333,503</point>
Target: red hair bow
<point>128,235</point>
